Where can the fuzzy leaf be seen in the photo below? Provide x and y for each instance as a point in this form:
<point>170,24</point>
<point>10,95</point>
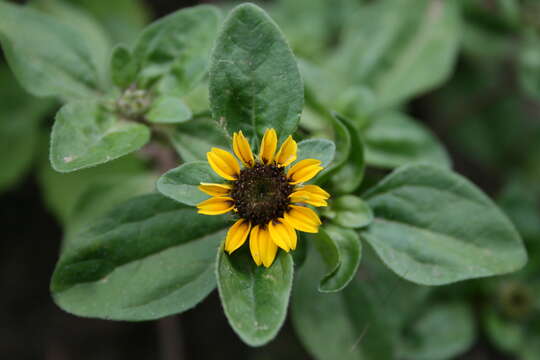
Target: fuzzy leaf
<point>434,227</point>
<point>254,80</point>
<point>86,134</point>
<point>254,298</point>
<point>168,110</point>
<point>149,258</point>
<point>320,149</point>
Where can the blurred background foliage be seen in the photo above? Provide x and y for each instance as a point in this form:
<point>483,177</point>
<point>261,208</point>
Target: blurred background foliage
<point>453,83</point>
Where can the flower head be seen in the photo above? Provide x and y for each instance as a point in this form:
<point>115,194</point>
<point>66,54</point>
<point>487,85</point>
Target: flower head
<point>269,200</point>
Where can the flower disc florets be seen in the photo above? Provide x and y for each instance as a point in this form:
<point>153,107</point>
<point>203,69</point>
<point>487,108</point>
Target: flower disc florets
<point>261,193</point>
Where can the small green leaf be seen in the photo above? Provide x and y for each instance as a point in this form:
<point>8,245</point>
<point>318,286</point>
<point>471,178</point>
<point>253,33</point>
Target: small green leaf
<point>350,175</point>
<point>507,335</point>
<point>172,53</point>
<point>328,251</point>
<point>254,80</point>
<point>168,110</point>
<point>181,183</point>
<point>348,325</point>
<point>442,332</point>
<point>194,138</point>
<point>349,249</point>
<point>47,56</point>
<point>320,149</point>
<point>86,134</point>
<point>434,227</point>
<point>254,298</point>
<point>394,139</point>
<point>149,258</point>
<point>123,67</point>
<point>351,212</point>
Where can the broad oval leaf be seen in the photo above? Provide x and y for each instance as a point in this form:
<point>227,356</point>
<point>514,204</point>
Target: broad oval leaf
<point>350,250</point>
<point>254,298</point>
<point>172,53</point>
<point>47,56</point>
<point>182,183</point>
<point>434,227</point>
<point>150,257</point>
<point>86,134</point>
<point>348,325</point>
<point>320,149</point>
<point>394,139</point>
<point>254,80</point>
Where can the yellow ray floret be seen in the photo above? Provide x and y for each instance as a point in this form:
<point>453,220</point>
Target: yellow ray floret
<point>283,234</point>
<point>223,163</point>
<point>287,152</point>
<point>263,249</point>
<point>303,219</point>
<point>215,189</point>
<point>268,146</point>
<point>310,194</point>
<point>237,235</point>
<point>242,149</point>
<point>304,170</point>
<point>216,206</point>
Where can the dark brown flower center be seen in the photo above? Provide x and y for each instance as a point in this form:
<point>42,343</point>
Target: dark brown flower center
<point>261,193</point>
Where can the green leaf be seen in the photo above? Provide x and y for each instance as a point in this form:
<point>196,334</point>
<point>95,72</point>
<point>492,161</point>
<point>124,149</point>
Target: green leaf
<point>400,49</point>
<point>350,175</point>
<point>181,183</point>
<point>320,149</point>
<point>123,67</point>
<point>47,56</point>
<point>507,335</point>
<point>150,257</point>
<point>172,53</point>
<point>329,252</point>
<point>349,249</point>
<point>434,227</point>
<point>254,298</point>
<point>86,134</point>
<point>394,139</point>
<point>348,325</point>
<point>442,332</point>
<point>350,211</point>
<point>20,116</point>
<point>194,138</point>
<point>168,110</point>
<point>254,80</point>
<point>80,21</point>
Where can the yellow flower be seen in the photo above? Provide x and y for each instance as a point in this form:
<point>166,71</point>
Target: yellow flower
<point>269,201</point>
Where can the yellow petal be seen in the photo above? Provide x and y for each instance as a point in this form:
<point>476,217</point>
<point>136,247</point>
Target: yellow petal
<point>303,219</point>
<point>215,189</point>
<point>283,234</point>
<point>308,198</point>
<point>223,163</point>
<point>304,170</point>
<point>279,235</point>
<point>237,235</point>
<point>268,249</point>
<point>317,190</point>
<point>216,206</point>
<point>268,146</point>
<point>242,149</point>
<point>287,152</point>
<point>254,245</point>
